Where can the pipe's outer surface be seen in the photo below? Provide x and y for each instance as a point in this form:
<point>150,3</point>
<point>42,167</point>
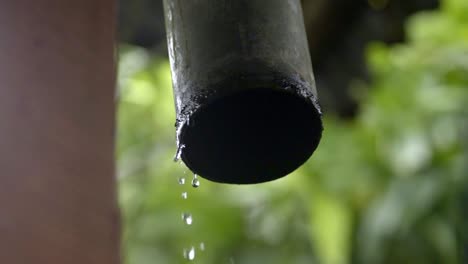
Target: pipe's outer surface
<point>245,96</point>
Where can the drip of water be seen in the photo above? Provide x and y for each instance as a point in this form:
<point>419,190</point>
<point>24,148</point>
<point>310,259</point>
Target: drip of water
<point>178,154</point>
<point>181,180</point>
<point>187,218</point>
<point>189,254</point>
<point>195,181</point>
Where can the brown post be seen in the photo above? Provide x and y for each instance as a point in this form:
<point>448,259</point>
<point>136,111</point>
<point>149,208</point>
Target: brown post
<point>57,186</point>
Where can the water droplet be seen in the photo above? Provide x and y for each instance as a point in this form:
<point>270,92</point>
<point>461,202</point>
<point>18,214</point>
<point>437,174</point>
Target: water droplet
<point>189,254</point>
<point>195,181</point>
<point>202,246</point>
<point>187,218</point>
<point>181,180</point>
<point>178,154</point>
<point>169,14</point>
<point>184,195</point>
<point>231,260</point>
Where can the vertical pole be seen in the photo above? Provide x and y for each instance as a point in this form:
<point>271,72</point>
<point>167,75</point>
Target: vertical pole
<point>57,186</point>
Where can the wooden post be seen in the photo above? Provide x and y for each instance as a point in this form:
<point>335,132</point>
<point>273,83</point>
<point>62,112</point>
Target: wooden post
<point>57,185</point>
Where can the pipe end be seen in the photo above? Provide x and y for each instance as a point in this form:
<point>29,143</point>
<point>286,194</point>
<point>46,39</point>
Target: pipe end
<point>251,136</point>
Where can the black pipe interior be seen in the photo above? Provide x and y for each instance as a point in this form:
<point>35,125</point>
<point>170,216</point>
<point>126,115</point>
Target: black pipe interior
<point>251,136</point>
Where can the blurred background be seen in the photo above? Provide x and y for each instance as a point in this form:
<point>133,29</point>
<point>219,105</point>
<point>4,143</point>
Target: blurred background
<point>387,184</point>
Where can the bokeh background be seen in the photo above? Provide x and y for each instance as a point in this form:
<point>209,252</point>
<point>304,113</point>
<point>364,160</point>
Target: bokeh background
<point>388,183</point>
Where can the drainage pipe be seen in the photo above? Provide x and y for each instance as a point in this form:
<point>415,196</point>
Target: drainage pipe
<point>245,96</point>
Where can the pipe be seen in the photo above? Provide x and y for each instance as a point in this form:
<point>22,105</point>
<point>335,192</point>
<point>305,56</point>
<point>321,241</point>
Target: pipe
<point>245,96</point>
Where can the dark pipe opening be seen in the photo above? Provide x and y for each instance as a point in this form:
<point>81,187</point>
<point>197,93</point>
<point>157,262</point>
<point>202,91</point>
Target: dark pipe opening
<point>251,136</point>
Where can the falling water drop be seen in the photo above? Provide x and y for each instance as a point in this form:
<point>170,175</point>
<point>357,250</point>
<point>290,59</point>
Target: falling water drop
<point>195,181</point>
<point>181,180</point>
<point>189,254</point>
<point>202,246</point>
<point>184,195</point>
<point>187,218</point>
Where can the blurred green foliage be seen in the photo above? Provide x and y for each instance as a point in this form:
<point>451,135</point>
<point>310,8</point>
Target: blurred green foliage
<point>387,187</point>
